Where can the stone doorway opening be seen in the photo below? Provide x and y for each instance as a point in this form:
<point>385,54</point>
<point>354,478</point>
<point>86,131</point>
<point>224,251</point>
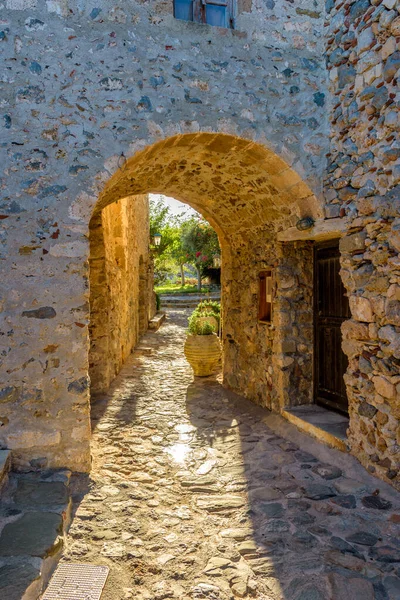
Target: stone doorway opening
<point>322,409</point>
<point>249,195</point>
<point>186,253</point>
<point>123,277</point>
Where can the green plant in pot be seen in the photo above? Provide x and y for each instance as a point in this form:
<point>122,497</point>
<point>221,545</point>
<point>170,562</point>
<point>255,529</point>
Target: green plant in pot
<point>202,346</point>
<point>208,312</point>
<point>209,305</point>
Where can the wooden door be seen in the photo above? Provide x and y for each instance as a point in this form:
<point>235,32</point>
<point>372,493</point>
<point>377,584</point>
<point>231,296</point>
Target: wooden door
<point>331,309</point>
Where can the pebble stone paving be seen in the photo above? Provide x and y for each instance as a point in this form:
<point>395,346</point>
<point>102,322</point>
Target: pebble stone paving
<point>193,496</point>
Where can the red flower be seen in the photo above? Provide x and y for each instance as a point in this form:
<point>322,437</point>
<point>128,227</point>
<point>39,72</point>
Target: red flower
<point>198,254</point>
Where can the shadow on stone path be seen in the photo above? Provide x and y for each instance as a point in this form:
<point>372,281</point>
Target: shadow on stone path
<point>193,496</point>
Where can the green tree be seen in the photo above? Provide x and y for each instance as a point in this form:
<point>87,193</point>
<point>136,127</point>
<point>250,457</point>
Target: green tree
<point>159,223</point>
<point>169,254</point>
<point>178,253</point>
<point>185,240</point>
<point>200,243</point>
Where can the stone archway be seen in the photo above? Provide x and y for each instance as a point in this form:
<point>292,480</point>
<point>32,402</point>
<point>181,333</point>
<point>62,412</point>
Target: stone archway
<point>248,194</point>
<point>237,184</point>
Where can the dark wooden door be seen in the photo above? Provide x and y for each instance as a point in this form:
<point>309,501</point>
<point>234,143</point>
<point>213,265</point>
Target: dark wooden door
<point>331,309</point>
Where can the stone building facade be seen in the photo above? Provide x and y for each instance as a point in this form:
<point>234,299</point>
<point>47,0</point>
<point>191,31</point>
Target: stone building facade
<point>363,183</point>
<point>292,114</point>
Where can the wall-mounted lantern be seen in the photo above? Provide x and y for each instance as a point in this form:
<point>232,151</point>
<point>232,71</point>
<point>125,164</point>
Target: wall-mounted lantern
<point>305,223</point>
<point>157,239</point>
<point>217,262</point>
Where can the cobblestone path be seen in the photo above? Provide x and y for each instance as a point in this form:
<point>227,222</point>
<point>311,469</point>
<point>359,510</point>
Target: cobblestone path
<point>193,496</point>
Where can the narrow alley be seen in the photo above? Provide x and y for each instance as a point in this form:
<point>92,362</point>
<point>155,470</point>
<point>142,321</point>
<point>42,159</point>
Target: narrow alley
<point>193,495</point>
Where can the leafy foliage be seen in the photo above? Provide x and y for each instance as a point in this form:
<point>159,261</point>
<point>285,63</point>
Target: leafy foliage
<point>184,241</point>
<point>209,305</point>
<point>169,254</point>
<point>198,324</point>
<point>198,327</point>
<point>200,242</point>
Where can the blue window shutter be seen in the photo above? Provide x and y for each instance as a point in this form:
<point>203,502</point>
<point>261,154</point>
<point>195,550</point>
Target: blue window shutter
<point>216,14</point>
<point>183,9</point>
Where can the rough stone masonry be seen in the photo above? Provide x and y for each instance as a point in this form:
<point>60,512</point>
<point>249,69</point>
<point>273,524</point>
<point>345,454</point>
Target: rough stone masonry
<point>362,181</point>
<point>291,114</point>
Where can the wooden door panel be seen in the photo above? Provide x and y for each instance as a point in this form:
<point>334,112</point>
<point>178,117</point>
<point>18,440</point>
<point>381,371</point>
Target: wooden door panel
<point>331,309</point>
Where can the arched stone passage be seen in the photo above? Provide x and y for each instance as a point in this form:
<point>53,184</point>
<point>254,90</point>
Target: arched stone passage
<point>248,194</point>
<point>235,183</point>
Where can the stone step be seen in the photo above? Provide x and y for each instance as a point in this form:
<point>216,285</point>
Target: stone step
<point>5,465</point>
<point>35,514</point>
<point>187,301</point>
<point>179,303</point>
<point>156,322</point>
<point>325,425</point>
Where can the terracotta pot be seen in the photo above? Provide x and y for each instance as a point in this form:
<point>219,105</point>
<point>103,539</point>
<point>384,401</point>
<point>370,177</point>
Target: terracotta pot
<point>203,353</point>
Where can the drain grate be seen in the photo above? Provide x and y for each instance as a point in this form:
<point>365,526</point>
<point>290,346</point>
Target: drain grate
<point>77,582</point>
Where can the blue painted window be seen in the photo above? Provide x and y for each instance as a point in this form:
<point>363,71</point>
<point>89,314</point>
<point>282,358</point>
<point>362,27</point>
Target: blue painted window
<point>220,13</point>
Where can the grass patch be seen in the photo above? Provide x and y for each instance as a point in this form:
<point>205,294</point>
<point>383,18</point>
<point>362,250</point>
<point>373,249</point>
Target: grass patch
<point>172,289</point>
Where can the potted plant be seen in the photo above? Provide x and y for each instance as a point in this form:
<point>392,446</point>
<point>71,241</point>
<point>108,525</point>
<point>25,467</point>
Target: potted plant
<point>212,305</point>
<point>202,346</point>
<point>209,312</point>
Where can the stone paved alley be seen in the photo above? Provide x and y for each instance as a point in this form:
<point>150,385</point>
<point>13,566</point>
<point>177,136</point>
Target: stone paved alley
<point>193,495</point>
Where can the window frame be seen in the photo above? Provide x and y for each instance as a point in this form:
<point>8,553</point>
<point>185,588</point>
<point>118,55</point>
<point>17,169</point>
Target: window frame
<point>265,306</point>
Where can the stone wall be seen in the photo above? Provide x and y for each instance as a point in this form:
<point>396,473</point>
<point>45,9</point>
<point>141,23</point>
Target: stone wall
<point>272,364</point>
<point>103,102</point>
<point>247,341</point>
<point>120,301</point>
<point>364,183</point>
<point>294,337</point>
